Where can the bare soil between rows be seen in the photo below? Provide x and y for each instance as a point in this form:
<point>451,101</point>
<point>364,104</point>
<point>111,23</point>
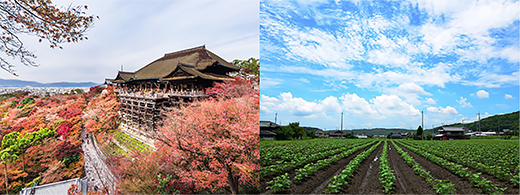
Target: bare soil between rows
<point>366,179</point>
<point>319,180</point>
<point>311,181</point>
<point>511,189</point>
<point>461,186</point>
<point>407,181</point>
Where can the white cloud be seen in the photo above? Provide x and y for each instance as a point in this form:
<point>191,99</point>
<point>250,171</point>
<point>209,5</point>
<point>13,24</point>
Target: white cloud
<point>379,107</point>
<point>446,110</point>
<point>267,82</point>
<point>430,101</point>
<point>482,94</point>
<point>390,105</point>
<point>435,76</point>
<point>410,91</point>
<point>298,106</point>
<point>463,102</point>
<point>412,88</point>
<point>492,80</point>
<point>356,105</point>
<point>468,25</point>
<point>508,96</point>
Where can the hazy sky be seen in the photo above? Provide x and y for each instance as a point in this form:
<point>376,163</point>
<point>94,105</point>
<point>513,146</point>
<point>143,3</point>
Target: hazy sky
<point>134,33</point>
<point>383,62</point>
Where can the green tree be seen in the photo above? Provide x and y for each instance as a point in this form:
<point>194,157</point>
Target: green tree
<point>420,132</point>
<point>298,131</point>
<point>251,66</point>
<point>291,131</point>
<point>18,144</point>
<point>284,133</point>
<point>8,154</point>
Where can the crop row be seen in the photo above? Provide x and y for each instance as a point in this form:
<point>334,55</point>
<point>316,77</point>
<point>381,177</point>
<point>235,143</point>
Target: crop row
<point>311,168</point>
<point>440,186</point>
<point>275,153</point>
<point>483,184</point>
<point>301,159</point>
<point>341,180</point>
<point>387,175</point>
<point>497,160</point>
<point>283,181</point>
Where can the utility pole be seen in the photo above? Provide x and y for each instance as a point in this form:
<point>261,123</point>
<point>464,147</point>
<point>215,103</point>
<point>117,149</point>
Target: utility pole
<point>275,117</point>
<point>341,121</point>
<point>478,127</point>
<point>422,124</point>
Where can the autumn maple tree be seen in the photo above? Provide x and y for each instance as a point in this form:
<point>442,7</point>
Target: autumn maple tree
<point>214,143</point>
<point>40,18</point>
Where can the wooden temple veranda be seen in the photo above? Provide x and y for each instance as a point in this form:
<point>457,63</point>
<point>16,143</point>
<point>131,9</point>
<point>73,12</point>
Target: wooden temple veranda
<point>176,78</point>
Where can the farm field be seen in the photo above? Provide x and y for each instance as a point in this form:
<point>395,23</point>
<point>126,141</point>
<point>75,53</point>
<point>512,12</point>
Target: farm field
<point>368,166</point>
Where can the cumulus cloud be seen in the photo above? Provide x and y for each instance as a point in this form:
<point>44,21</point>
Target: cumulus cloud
<point>298,106</point>
<point>482,94</point>
<point>356,105</point>
<point>430,101</point>
<point>446,110</point>
<point>378,107</point>
<point>389,105</point>
<point>463,103</point>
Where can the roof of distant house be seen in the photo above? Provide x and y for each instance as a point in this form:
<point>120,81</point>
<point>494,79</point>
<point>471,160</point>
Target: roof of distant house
<point>265,132</point>
<point>452,129</point>
<point>268,124</point>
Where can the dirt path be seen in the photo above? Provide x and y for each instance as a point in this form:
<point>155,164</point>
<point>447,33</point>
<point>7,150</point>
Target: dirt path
<point>318,182</point>
<point>407,181</point>
<point>461,186</point>
<point>366,180</point>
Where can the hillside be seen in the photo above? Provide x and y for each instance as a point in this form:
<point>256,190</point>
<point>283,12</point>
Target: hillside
<point>374,131</point>
<point>492,123</point>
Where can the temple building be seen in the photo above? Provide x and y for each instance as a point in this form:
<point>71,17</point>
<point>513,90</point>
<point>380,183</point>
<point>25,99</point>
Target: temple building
<point>176,78</point>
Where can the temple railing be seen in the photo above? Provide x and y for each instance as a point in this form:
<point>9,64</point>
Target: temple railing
<point>160,95</point>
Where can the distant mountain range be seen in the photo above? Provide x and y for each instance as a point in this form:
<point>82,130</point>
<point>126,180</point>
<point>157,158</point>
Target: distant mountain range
<point>21,83</point>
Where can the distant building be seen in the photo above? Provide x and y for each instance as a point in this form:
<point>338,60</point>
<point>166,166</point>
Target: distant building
<point>267,135</point>
<point>396,136</point>
<point>450,133</point>
<point>361,136</point>
<point>60,187</point>
<point>337,134</point>
<point>267,130</point>
<point>321,134</point>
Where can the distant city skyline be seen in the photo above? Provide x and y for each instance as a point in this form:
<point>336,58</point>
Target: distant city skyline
<point>382,63</point>
<point>134,33</point>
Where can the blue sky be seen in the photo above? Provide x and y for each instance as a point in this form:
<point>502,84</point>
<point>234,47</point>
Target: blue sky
<point>137,32</point>
<point>383,62</point>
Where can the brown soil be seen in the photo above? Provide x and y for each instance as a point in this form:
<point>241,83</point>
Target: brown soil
<point>366,179</point>
<point>407,181</point>
<point>318,182</point>
<point>461,186</point>
<point>291,173</point>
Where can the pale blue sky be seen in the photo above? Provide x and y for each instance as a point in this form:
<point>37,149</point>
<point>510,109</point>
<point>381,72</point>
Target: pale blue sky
<point>136,32</point>
<point>383,62</point>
